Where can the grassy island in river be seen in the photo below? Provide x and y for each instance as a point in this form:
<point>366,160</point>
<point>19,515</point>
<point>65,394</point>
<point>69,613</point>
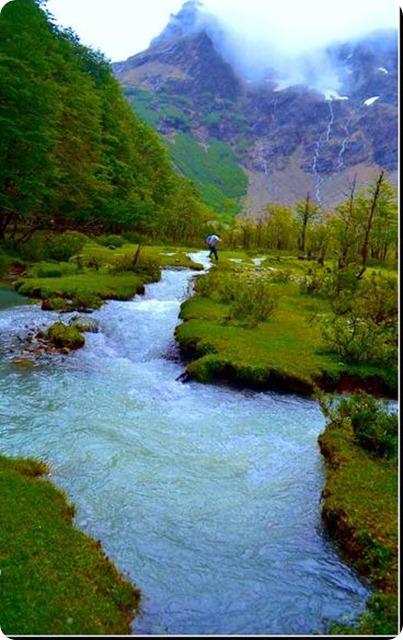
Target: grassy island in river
<point>282,347</point>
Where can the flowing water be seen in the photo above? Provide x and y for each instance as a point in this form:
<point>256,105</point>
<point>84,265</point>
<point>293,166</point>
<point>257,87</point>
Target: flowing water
<point>207,497</point>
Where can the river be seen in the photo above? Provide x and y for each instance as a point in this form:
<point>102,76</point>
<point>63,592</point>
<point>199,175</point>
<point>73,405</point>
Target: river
<point>208,498</point>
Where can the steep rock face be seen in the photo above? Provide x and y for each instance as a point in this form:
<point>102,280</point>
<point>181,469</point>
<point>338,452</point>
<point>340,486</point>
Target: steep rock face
<point>289,141</point>
<point>189,66</point>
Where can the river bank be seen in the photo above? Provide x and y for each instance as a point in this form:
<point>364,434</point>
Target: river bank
<point>359,511</point>
<point>284,352</point>
<point>55,579</point>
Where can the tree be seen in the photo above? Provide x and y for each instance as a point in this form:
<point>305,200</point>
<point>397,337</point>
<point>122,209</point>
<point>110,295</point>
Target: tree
<point>371,205</point>
<point>305,212</point>
<point>72,151</point>
<point>29,110</point>
<point>280,229</point>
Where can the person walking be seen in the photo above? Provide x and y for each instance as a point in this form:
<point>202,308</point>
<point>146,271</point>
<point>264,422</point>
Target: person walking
<point>212,245</point>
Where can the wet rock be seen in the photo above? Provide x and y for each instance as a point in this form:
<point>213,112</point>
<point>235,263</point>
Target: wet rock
<point>85,325</point>
<point>62,335</point>
<point>23,363</point>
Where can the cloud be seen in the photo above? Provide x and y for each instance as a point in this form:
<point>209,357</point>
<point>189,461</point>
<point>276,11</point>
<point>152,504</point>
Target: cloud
<point>296,26</point>
<point>287,39</point>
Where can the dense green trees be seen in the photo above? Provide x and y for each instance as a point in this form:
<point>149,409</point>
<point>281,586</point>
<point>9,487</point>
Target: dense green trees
<point>72,152</point>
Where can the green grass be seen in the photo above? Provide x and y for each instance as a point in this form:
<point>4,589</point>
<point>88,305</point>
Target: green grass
<point>106,256</point>
<point>107,286</point>
<point>285,352</point>
<point>93,286</point>
<point>153,108</point>
<point>55,579</point>
<point>360,512</point>
<point>215,170</point>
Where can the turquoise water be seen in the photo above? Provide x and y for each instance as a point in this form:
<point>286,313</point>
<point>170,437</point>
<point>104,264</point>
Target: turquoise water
<point>206,497</point>
<point>9,298</point>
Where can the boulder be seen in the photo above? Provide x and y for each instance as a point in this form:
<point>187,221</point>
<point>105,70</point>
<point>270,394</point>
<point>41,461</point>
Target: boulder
<point>65,336</point>
<point>85,325</point>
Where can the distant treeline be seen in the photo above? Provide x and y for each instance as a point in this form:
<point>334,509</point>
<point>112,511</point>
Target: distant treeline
<point>360,230</point>
<point>73,154</point>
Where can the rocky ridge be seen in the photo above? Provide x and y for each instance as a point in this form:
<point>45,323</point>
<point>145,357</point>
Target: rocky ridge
<point>288,141</point>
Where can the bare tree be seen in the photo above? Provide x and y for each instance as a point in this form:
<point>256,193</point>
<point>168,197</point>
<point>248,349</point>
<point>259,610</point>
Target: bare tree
<point>368,227</point>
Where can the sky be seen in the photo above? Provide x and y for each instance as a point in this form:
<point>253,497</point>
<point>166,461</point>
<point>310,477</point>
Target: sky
<point>121,28</point>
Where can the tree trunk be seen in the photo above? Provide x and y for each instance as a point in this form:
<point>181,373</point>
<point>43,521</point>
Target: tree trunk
<point>370,221</point>
<point>305,223</point>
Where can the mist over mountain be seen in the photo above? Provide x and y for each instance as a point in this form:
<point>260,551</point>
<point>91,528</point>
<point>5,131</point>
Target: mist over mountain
<point>306,118</point>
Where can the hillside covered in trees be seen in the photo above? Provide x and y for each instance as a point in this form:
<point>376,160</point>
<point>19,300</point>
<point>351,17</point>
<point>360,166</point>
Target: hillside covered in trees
<point>72,152</point>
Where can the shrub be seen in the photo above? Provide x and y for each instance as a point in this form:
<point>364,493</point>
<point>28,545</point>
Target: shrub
<point>65,246</point>
<point>220,285</point>
<point>281,276</point>
<point>361,340</point>
<point>375,428</point>
<point>111,241</point>
<point>123,263</point>
<point>36,248</point>
<point>93,262</point>
<point>251,298</point>
<point>313,284</point>
<point>85,301</point>
<point>331,284</point>
<point>255,303</point>
<point>148,266</point>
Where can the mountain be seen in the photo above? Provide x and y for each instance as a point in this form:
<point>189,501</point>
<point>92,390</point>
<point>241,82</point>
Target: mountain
<point>249,141</point>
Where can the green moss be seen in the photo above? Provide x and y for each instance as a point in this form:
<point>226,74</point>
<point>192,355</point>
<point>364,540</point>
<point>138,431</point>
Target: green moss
<point>360,512</point>
<point>286,351</point>
<point>55,579</point>
<point>62,335</point>
<point>379,619</point>
<point>104,286</point>
<point>56,304</point>
<point>111,277</point>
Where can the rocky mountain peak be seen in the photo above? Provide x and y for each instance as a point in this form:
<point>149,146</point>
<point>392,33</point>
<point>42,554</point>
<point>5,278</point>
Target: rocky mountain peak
<point>289,139</point>
<point>186,22</point>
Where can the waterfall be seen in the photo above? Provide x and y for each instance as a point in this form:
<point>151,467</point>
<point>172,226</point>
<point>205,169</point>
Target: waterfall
<point>324,138</point>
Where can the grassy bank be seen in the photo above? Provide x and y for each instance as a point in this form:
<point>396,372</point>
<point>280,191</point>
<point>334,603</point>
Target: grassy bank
<point>360,513</point>
<point>283,352</point>
<point>99,273</point>
<point>55,579</point>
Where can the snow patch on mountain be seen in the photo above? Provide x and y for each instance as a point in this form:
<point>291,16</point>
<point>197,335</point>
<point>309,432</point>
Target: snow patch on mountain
<point>371,101</point>
<point>330,94</point>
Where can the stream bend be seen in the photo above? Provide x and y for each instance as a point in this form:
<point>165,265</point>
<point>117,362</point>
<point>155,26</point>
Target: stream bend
<point>207,497</point>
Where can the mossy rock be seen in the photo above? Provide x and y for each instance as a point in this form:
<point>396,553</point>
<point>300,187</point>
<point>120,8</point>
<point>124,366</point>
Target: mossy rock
<point>56,304</point>
<point>64,336</point>
<point>84,325</point>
